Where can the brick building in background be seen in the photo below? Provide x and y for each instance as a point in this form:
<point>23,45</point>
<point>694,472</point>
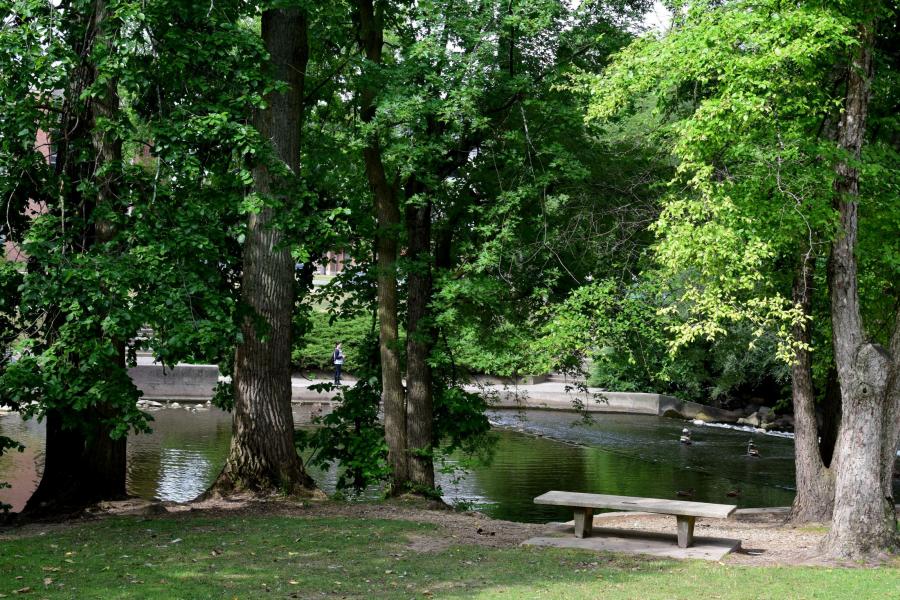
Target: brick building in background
<point>11,251</point>
<point>335,263</point>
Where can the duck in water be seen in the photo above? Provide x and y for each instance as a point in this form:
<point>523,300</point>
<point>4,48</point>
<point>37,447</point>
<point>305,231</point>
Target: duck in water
<point>688,493</point>
<point>685,437</point>
<point>752,450</point>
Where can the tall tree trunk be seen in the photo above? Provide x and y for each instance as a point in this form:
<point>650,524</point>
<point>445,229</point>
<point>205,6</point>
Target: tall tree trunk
<point>863,521</point>
<point>387,212</point>
<point>891,444</point>
<point>419,339</point>
<point>62,488</point>
<point>105,454</point>
<point>815,483</point>
<point>86,463</point>
<point>262,457</point>
<point>831,417</point>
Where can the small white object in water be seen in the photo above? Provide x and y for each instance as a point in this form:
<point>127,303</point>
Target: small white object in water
<point>698,422</point>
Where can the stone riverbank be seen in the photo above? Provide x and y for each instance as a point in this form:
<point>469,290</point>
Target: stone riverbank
<point>189,384</point>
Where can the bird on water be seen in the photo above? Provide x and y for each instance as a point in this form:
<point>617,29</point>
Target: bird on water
<point>752,450</point>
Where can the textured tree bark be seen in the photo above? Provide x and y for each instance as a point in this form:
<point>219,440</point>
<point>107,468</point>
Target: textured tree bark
<point>80,469</point>
<point>84,463</point>
<point>891,444</point>
<point>105,455</point>
<point>393,397</point>
<point>863,520</point>
<point>387,212</point>
<point>831,417</point>
<point>61,488</point>
<point>262,458</point>
<point>815,483</point>
<point>419,339</point>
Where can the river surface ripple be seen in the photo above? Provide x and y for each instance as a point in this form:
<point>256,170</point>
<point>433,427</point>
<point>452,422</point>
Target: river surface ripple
<point>536,451</point>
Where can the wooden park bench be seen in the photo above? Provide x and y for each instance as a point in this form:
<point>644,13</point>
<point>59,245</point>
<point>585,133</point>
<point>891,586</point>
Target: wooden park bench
<point>685,512</point>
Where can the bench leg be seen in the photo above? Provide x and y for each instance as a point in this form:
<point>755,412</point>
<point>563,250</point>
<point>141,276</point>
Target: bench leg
<point>584,522</point>
<point>685,531</point>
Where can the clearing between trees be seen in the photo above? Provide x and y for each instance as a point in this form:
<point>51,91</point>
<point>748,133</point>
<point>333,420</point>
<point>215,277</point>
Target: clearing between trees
<point>395,549</point>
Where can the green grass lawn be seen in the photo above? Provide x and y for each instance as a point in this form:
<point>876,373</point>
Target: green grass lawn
<point>299,557</point>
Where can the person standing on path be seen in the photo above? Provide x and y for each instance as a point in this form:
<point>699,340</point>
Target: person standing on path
<point>337,357</point>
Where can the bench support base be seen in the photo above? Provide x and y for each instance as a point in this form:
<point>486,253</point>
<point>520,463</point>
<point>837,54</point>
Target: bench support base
<point>685,531</point>
<point>584,522</point>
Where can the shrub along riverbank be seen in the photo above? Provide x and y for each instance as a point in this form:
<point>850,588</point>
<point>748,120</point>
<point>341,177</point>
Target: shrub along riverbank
<point>254,553</point>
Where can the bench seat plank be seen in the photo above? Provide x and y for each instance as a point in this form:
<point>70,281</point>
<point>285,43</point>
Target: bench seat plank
<point>632,503</point>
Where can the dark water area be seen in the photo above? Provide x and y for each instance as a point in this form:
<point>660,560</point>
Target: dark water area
<point>536,451</point>
<point>629,455</point>
<point>177,461</point>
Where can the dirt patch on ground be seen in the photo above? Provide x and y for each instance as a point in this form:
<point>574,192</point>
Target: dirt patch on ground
<point>766,539</point>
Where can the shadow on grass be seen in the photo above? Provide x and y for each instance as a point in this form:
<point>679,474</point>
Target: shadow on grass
<point>298,557</point>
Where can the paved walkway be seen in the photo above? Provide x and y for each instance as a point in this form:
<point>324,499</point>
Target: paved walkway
<point>605,539</point>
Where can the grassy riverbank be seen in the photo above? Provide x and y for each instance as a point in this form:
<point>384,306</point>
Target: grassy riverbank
<point>253,554</point>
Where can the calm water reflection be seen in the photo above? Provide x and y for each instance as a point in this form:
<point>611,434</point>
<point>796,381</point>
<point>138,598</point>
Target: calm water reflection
<point>616,454</point>
<point>630,455</point>
<point>181,457</point>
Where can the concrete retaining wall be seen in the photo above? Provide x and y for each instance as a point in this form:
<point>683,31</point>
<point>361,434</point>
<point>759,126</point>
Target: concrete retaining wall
<point>615,402</point>
<point>637,403</point>
<point>184,382</point>
<point>195,383</point>
<point>494,380</point>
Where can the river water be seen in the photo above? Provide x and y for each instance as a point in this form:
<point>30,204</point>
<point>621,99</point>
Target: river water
<point>536,451</point>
